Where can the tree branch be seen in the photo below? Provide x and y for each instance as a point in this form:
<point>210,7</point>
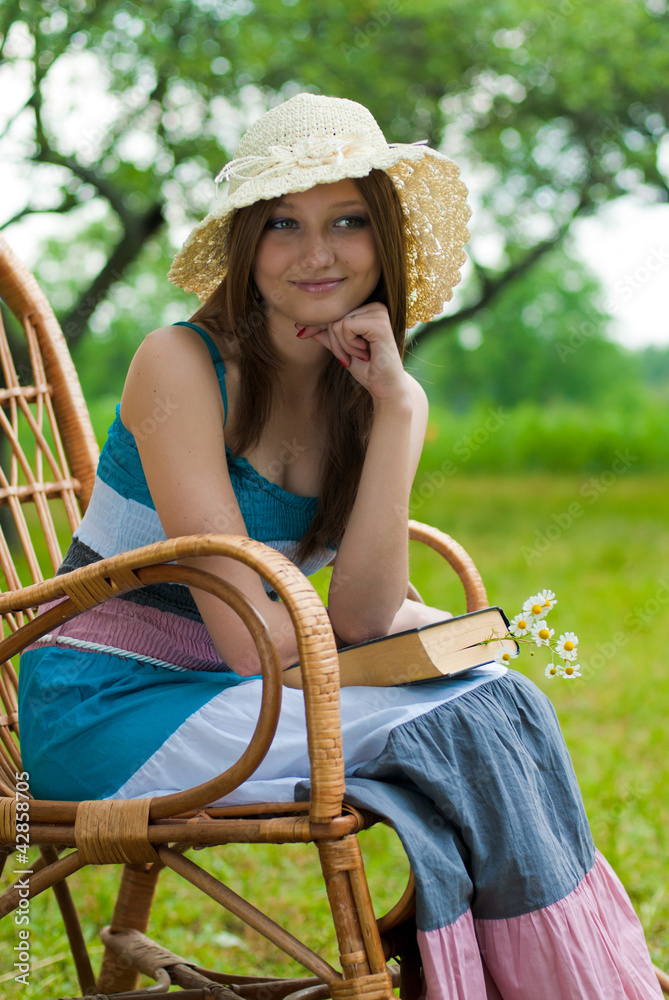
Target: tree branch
<point>137,228</point>
<point>68,202</point>
<point>142,228</point>
<point>47,154</point>
<point>89,176</point>
<point>657,178</point>
<point>10,121</point>
<point>492,287</point>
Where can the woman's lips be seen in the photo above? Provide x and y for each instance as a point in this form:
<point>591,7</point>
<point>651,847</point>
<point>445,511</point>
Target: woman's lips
<point>324,285</point>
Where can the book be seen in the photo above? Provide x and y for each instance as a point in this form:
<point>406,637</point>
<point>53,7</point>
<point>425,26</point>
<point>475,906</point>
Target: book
<point>442,649</point>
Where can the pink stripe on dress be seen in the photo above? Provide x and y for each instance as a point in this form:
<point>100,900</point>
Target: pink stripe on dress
<point>452,962</point>
<point>587,946</point>
<point>141,629</point>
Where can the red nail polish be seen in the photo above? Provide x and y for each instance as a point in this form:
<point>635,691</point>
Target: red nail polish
<point>342,362</point>
<point>301,332</point>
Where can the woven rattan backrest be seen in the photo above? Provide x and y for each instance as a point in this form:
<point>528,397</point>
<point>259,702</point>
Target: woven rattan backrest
<point>48,456</point>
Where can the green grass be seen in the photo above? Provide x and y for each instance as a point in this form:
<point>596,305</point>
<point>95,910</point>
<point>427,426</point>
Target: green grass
<point>556,437</point>
<point>611,559</point>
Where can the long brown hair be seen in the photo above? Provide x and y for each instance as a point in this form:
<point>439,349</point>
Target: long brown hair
<point>234,312</point>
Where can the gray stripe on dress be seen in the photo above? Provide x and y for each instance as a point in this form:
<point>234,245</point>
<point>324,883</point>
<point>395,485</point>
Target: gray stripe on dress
<point>482,793</point>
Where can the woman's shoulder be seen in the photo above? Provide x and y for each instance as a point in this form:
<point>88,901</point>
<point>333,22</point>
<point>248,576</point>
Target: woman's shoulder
<point>173,343</point>
<point>173,364</point>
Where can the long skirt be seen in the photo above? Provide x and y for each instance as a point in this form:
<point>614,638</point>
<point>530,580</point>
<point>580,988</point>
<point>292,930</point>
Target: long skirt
<point>513,900</point>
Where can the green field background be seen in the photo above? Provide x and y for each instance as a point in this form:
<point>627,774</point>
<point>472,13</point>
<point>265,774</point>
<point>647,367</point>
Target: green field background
<point>609,566</point>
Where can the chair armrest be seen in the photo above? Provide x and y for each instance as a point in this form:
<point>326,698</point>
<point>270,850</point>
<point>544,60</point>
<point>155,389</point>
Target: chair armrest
<point>457,557</point>
<point>93,584</point>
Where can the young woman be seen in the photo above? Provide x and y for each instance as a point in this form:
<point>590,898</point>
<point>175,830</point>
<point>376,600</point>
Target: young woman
<point>282,411</point>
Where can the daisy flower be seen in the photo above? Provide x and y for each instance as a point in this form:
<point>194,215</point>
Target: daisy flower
<point>505,656</point>
<point>536,607</point>
<point>541,633</point>
<point>529,626</point>
<point>566,646</point>
<point>550,600</point>
<point>520,625</point>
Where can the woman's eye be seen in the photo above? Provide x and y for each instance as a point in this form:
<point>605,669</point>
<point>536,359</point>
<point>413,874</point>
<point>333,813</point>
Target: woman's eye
<point>351,222</point>
<point>346,222</point>
<point>281,224</point>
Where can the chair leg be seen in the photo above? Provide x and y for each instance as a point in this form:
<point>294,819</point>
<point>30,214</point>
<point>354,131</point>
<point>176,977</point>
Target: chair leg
<point>401,942</point>
<point>72,923</point>
<point>132,910</point>
<point>411,972</point>
<point>360,949</point>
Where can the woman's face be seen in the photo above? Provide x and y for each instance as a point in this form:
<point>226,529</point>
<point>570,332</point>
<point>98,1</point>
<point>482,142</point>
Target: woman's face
<point>317,258</point>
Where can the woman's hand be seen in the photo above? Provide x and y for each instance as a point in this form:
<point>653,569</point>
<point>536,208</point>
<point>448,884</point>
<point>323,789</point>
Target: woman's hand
<point>363,342</point>
<point>413,614</point>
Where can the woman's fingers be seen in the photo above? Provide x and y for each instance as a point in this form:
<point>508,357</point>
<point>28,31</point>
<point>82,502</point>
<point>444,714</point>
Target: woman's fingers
<point>360,348</point>
<point>344,347</point>
<point>325,337</point>
<point>340,353</point>
<point>361,335</point>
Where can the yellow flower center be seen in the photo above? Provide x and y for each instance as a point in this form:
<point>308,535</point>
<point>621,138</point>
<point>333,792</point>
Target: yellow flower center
<point>547,603</point>
<point>506,656</point>
<point>536,609</point>
<point>522,624</point>
<point>569,670</point>
<point>543,633</point>
<point>553,671</point>
<point>568,646</point>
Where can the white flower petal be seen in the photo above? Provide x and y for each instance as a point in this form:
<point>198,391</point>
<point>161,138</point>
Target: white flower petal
<point>504,656</point>
<point>535,606</point>
<point>566,646</point>
<point>541,633</point>
<point>520,625</point>
<point>549,599</point>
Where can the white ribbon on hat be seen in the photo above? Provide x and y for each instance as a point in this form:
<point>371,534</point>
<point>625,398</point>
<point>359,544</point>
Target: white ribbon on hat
<point>309,152</point>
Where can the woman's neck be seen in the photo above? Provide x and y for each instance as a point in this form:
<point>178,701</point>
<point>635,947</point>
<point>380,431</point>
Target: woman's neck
<point>301,363</point>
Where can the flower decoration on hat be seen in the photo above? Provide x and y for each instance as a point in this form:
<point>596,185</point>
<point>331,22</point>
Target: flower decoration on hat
<point>310,152</point>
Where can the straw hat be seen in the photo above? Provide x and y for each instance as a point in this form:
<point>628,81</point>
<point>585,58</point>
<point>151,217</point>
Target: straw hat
<point>311,140</point>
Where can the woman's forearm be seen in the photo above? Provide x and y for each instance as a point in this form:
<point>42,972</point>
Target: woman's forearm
<point>231,639</point>
<point>369,581</point>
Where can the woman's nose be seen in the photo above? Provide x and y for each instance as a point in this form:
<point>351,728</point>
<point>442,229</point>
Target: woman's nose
<point>316,252</point>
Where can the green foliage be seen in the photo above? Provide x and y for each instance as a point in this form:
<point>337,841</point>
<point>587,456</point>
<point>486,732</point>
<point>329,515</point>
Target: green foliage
<point>654,362</point>
<point>542,340</point>
<point>549,107</point>
<point>143,302</point>
<point>561,437</point>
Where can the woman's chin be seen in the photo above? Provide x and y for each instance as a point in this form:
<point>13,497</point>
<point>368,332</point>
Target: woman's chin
<point>324,314</point>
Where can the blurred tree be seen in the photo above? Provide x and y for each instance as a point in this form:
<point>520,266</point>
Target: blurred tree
<point>544,341</point>
<point>654,363</point>
<point>122,111</point>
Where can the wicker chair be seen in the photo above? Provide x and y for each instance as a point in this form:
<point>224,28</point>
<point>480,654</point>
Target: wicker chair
<point>42,404</point>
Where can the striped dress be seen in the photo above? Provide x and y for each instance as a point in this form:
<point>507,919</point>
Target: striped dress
<point>131,700</point>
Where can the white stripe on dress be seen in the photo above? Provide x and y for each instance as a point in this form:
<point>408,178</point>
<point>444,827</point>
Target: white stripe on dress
<point>215,736</point>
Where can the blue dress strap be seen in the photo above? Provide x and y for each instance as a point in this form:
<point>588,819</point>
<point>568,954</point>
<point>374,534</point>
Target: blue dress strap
<point>215,357</point>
